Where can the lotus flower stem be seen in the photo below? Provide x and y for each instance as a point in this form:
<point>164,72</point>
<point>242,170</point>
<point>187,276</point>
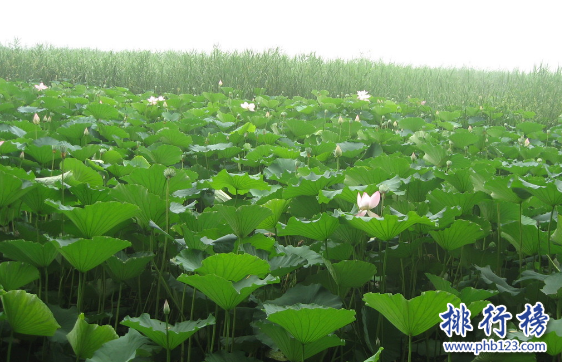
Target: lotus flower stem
<point>118,305</point>
<point>10,346</point>
<point>548,238</point>
<point>520,238</point>
<point>233,329</point>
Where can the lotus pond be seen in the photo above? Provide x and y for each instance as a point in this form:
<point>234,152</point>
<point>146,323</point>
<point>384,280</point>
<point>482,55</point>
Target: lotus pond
<point>165,227</point>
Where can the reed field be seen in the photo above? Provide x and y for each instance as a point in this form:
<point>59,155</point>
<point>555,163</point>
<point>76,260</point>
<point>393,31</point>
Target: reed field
<point>279,74</point>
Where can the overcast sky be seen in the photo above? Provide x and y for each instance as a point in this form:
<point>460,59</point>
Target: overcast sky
<point>490,34</point>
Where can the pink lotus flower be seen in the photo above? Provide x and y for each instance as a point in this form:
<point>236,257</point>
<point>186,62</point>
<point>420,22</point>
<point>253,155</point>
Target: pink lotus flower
<point>40,86</point>
<point>365,203</point>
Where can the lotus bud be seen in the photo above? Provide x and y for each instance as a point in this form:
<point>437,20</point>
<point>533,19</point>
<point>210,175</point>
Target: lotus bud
<point>338,152</point>
<point>22,155</point>
<point>247,146</point>
<point>413,156</point>
<point>469,128</point>
<point>539,160</point>
<point>527,142</point>
<point>169,173</point>
<point>283,114</point>
<point>383,189</point>
<point>102,151</point>
<point>395,124</point>
<point>220,82</point>
<point>36,119</point>
<point>449,163</point>
<point>340,120</point>
<point>547,131</point>
<point>86,132</point>
<point>267,114</point>
<point>166,307</point>
<point>357,118</point>
<point>422,103</point>
<point>165,104</point>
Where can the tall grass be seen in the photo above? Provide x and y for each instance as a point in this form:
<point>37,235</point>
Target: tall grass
<point>280,74</point>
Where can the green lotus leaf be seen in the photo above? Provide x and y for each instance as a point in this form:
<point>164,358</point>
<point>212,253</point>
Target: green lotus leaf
<point>16,274</point>
<point>440,199</point>
<point>529,240</point>
<point>43,154</point>
<point>489,277</point>
<point>353,273</point>
<point>238,184</point>
<point>292,348</point>
<point>412,123</point>
<point>284,264</point>
<point>319,229</point>
<point>224,293</point>
<point>553,285</point>
<point>12,188</point>
<point>393,165</point>
<point>123,349</point>
<point>552,337</point>
<point>87,338</point>
<point>34,253</point>
<point>82,173</point>
<point>500,189</point>
<point>86,254</point>
<point>234,267</point>
<point>414,316</point>
<point>434,154</point>
<point>388,227</point>
<point>73,132</point>
<point>463,138</point>
<point>156,330</point>
<point>277,207</point>
<point>151,206</point>
<point>27,314</point>
<point>460,179</point>
<point>244,219</point>
<point>461,232</point>
<point>529,127</point>
<point>89,195</point>
<point>102,111</point>
<point>166,155</point>
<point>153,179</point>
<point>312,184</point>
<point>309,322</point>
<point>99,218</point>
<point>35,198</point>
<point>110,132</point>
<point>549,193</point>
<point>300,128</point>
<point>124,267</point>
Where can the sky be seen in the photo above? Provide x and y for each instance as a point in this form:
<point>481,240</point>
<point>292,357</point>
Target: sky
<point>491,34</point>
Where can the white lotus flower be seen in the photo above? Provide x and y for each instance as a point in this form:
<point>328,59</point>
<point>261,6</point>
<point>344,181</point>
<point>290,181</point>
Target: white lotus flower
<point>248,106</point>
<point>363,95</point>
